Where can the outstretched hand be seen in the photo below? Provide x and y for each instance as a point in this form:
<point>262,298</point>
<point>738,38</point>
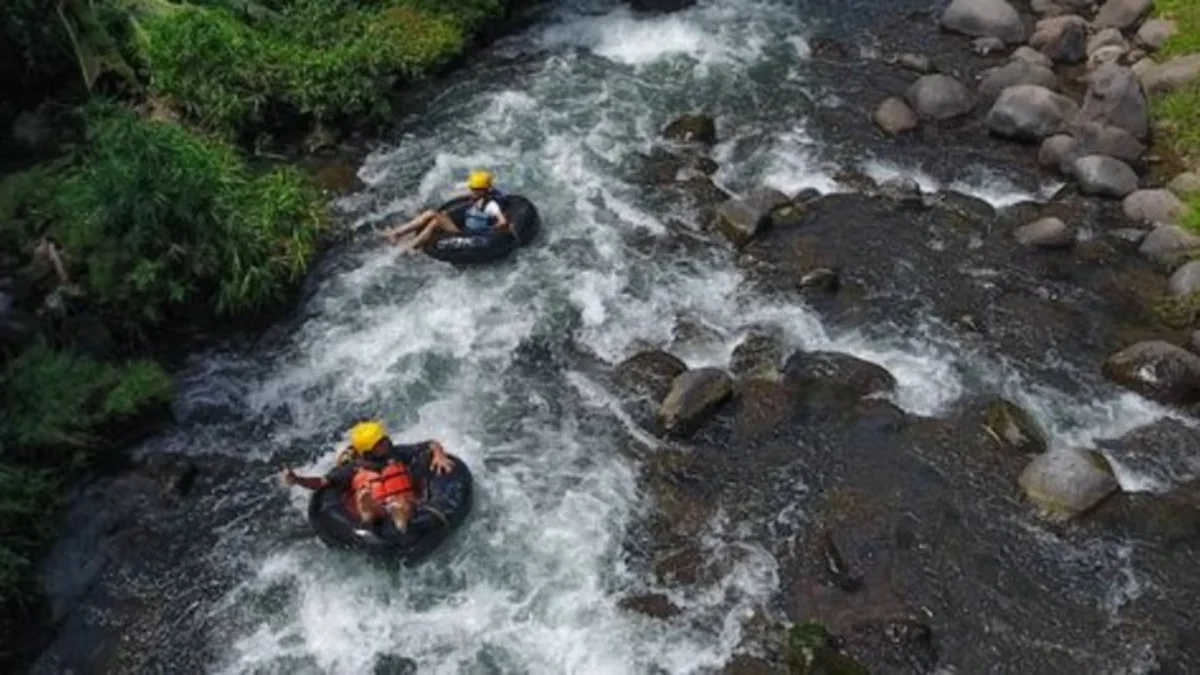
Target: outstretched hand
<point>440,463</point>
<point>287,477</point>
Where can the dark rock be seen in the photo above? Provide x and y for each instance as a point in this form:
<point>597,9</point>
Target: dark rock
<point>391,664</point>
<point>31,131</point>
<point>762,405</point>
<point>758,355</point>
<point>916,62</point>
<point>1067,483</point>
<point>1121,13</point>
<point>901,189</point>
<point>1104,176</point>
<point>740,219</point>
<point>984,18</point>
<point>821,279</point>
<point>338,177</point>
<point>987,45</point>
<point>1063,39</point>
<point>320,140</point>
<point>1013,427</point>
<point>692,397</point>
<point>654,605</point>
<point>1030,113</point>
<point>175,473</point>
<point>1172,519</point>
<point>940,97</point>
<point>1115,98</point>
<point>829,376</point>
<point>1157,370</point>
<point>895,117</point>
<point>1153,206</point>
<point>692,128</point>
<point>690,332</point>
<point>1017,71</point>
<point>1056,151</point>
<point>1046,232</point>
<point>1161,451</point>
<point>649,374</point>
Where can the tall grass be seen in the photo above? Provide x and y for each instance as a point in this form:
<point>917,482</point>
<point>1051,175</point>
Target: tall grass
<point>1180,110</point>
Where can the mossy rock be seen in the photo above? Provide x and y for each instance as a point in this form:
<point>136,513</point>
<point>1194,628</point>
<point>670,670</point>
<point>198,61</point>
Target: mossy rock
<point>1177,312</point>
<point>811,651</point>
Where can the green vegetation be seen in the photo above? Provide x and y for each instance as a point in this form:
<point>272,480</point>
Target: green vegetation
<point>28,501</point>
<point>1181,109</point>
<point>811,651</point>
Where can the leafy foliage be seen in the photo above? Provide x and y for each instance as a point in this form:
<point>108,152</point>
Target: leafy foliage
<point>159,218</point>
<point>1181,109</point>
<point>28,500</point>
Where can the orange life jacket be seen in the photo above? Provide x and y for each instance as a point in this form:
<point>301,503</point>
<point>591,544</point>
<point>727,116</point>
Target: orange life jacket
<point>392,482</point>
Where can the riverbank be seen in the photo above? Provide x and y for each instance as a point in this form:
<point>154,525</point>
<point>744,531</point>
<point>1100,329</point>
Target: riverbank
<point>155,192</point>
<point>1179,110</point>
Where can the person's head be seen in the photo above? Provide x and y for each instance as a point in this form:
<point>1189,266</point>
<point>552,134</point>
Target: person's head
<point>369,437</point>
<point>479,183</point>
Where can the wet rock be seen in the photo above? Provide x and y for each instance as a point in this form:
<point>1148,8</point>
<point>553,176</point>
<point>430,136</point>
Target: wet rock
<point>1046,233</point>
<point>1063,39</point>
<point>813,651</point>
<point>1015,72</point>
<point>916,62</point>
<point>1154,33</point>
<point>1167,245</point>
<point>1056,150</point>
<point>1109,37</point>
<point>692,128</point>
<point>1065,484</point>
<point>1185,280</point>
<point>984,18</point>
<point>391,664</point>
<point>822,279</point>
<point>1104,176</point>
<point>1153,206</point>
<point>1162,450</point>
<point>1029,113</point>
<point>835,564</point>
<point>895,117</point>
<point>654,605</point>
<point>832,377</point>
<point>1172,75</point>
<point>1014,428</point>
<point>1157,370</point>
<point>693,396</point>
<point>1093,138</point>
<point>901,189</point>
<point>987,45</point>
<point>1172,518</point>
<point>649,374</point>
<point>1032,56</point>
<point>660,6</point>
<point>1121,13</point>
<point>1129,235</point>
<point>1114,98</point>
<point>338,178</point>
<point>175,474</point>
<point>758,355</point>
<point>763,404</point>
<point>1185,184</point>
<point>740,219</point>
<point>692,332</point>
<point>940,97</point>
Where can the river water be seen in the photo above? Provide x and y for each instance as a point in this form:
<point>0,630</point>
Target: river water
<point>532,583</point>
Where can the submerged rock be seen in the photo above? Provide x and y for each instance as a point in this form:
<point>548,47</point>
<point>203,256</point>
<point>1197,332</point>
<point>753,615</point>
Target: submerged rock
<point>940,97</point>
<point>895,117</point>
<point>1030,112</point>
<point>1153,206</point>
<point>693,396</point>
<point>1014,427</point>
<point>692,128</point>
<point>654,605</point>
<point>1046,232</point>
<point>1064,484</point>
<point>984,18</point>
<point>1104,176</point>
<point>657,6</point>
<point>1158,370</point>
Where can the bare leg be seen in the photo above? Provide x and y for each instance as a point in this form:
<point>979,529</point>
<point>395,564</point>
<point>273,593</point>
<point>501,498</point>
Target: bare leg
<point>441,223</point>
<point>422,220</point>
<point>369,510</point>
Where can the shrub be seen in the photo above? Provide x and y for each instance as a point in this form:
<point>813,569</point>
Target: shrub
<point>28,498</point>
<point>55,403</point>
<point>159,218</point>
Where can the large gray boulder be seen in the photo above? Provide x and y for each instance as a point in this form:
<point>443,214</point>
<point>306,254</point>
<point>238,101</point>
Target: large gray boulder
<point>1104,176</point>
<point>1167,245</point>
<point>940,97</point>
<point>1030,112</point>
<point>1121,13</point>
<point>1094,138</point>
<point>895,117</point>
<point>1115,98</point>
<point>1013,73</point>
<point>1067,483</point>
<point>1154,33</point>
<point>984,18</point>
<point>1153,206</point>
<point>1171,75</point>
<point>1185,280</point>
<point>1158,370</point>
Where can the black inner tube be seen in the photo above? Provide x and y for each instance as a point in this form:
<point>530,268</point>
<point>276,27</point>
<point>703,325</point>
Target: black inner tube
<point>524,223</point>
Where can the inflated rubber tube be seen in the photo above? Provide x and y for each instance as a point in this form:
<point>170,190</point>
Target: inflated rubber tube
<point>448,504</point>
<point>523,219</point>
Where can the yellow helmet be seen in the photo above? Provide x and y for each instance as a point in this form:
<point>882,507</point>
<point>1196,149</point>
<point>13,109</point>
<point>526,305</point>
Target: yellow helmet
<point>364,436</point>
<point>479,180</point>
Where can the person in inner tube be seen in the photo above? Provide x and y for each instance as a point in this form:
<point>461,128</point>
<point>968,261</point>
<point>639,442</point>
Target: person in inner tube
<point>483,217</point>
<point>380,479</point>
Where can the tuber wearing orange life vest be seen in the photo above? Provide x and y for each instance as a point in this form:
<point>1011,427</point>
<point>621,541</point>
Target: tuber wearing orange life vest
<point>393,482</point>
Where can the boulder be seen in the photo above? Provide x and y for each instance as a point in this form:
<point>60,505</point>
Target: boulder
<point>763,403</point>
<point>987,45</point>
<point>1185,280</point>
<point>940,97</point>
<point>1055,151</point>
<point>1167,245</point>
<point>1014,427</point>
<point>1063,39</point>
<point>1185,184</point>
<point>1154,33</point>
<point>1158,370</point>
<point>1115,98</point>
<point>901,189</point>
<point>740,219</point>
<point>984,18</point>
<point>1046,233</point>
<point>1094,138</point>
<point>692,128</point>
<point>1067,483</point>
<point>1104,176</point>
<point>649,374</point>
<point>1109,54</point>
<point>822,279</point>
<point>916,62</point>
<point>1109,37</point>
<point>1121,13</point>
<point>895,117</point>
<point>1177,73</point>
<point>1029,112</point>
<point>692,397</point>
<point>1031,55</point>
<point>1013,73</point>
<point>653,605</point>
<point>757,355</point>
<point>823,377</point>
<point>1153,206</point>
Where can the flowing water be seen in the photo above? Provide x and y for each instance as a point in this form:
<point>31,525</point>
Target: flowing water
<point>532,582</point>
